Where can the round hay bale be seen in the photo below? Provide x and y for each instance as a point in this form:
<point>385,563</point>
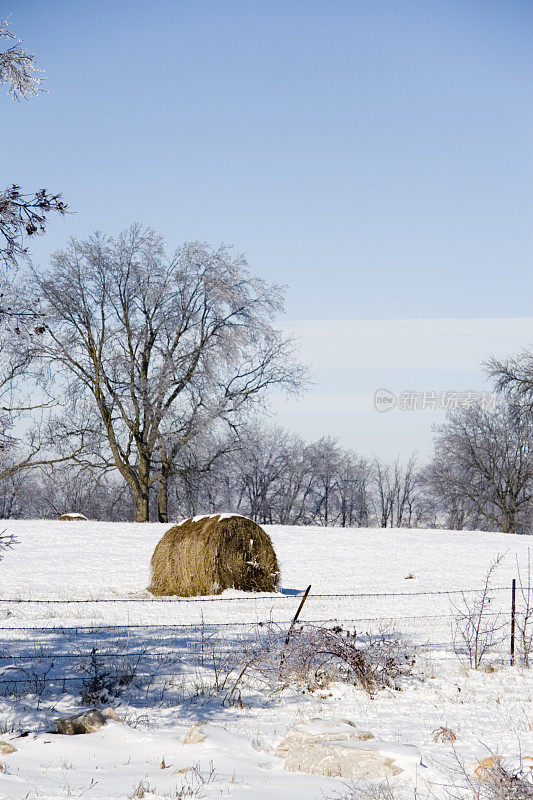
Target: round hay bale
<point>72,517</point>
<point>206,555</point>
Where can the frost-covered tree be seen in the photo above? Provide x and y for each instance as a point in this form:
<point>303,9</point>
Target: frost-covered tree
<point>482,472</point>
<point>17,67</point>
<point>400,500</point>
<point>21,214</point>
<point>53,490</point>
<point>514,376</point>
<point>155,349</point>
<point>275,477</point>
<point>23,441</point>
<point>266,470</point>
<point>353,491</point>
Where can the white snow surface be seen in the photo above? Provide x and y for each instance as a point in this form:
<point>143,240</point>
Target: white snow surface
<point>95,564</point>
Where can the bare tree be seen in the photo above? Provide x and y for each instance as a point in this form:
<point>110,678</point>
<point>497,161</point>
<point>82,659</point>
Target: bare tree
<point>483,461</point>
<point>325,459</point>
<point>196,472</point>
<point>21,214</point>
<point>384,493</point>
<point>17,67</point>
<point>12,495</point>
<point>261,466</point>
<point>57,489</point>
<point>405,493</point>
<point>21,447</point>
<point>400,499</point>
<point>274,477</point>
<point>157,347</point>
<point>514,376</point>
<point>455,510</point>
<point>281,479</point>
<point>477,629</point>
<point>295,488</point>
<point>353,491</point>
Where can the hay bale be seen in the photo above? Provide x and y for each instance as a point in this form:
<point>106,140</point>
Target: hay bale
<point>72,517</point>
<point>206,555</point>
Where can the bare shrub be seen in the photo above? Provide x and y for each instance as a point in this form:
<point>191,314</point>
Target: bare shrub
<point>19,681</point>
<point>102,683</point>
<point>313,657</point>
<point>495,778</point>
<point>524,617</point>
<point>7,725</point>
<point>500,781</point>
<point>365,790</point>
<point>477,630</point>
<point>318,654</point>
<point>97,685</point>
<point>140,790</point>
<point>492,778</point>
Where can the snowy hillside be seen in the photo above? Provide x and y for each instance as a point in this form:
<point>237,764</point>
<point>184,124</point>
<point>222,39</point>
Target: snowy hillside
<point>399,581</point>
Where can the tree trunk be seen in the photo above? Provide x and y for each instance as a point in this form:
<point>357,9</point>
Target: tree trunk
<point>142,492</point>
<point>142,511</point>
<point>508,525</point>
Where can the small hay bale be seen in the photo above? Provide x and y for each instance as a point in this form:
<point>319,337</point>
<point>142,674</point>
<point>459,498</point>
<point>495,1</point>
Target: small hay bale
<point>206,555</point>
<point>72,517</point>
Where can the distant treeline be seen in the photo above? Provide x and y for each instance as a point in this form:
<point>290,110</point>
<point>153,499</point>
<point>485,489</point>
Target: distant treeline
<point>481,477</point>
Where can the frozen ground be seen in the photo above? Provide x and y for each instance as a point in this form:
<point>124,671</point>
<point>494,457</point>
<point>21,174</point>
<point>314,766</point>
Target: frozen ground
<point>45,644</point>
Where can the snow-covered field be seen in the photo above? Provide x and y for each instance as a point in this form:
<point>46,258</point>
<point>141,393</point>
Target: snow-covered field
<point>490,711</point>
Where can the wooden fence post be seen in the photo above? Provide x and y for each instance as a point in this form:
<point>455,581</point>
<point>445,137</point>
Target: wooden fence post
<point>293,623</point>
<point>513,614</point>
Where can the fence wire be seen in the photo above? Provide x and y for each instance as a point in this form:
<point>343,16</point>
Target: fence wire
<point>276,597</point>
<point>59,655</point>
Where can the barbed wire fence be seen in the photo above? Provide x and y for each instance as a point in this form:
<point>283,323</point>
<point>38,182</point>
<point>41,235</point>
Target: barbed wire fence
<point>35,658</point>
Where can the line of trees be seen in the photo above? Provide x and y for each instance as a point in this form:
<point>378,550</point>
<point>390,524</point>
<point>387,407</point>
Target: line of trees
<point>481,477</point>
<point>106,441</point>
<point>262,471</point>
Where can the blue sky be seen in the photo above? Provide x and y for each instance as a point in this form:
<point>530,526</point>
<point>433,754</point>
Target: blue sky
<point>375,157</point>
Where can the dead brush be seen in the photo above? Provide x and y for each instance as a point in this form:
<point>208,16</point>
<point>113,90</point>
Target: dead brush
<point>316,655</point>
<point>443,734</point>
<point>493,778</point>
<point>477,630</point>
<point>366,790</point>
<point>308,660</point>
<point>497,780</point>
<point>106,676</point>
